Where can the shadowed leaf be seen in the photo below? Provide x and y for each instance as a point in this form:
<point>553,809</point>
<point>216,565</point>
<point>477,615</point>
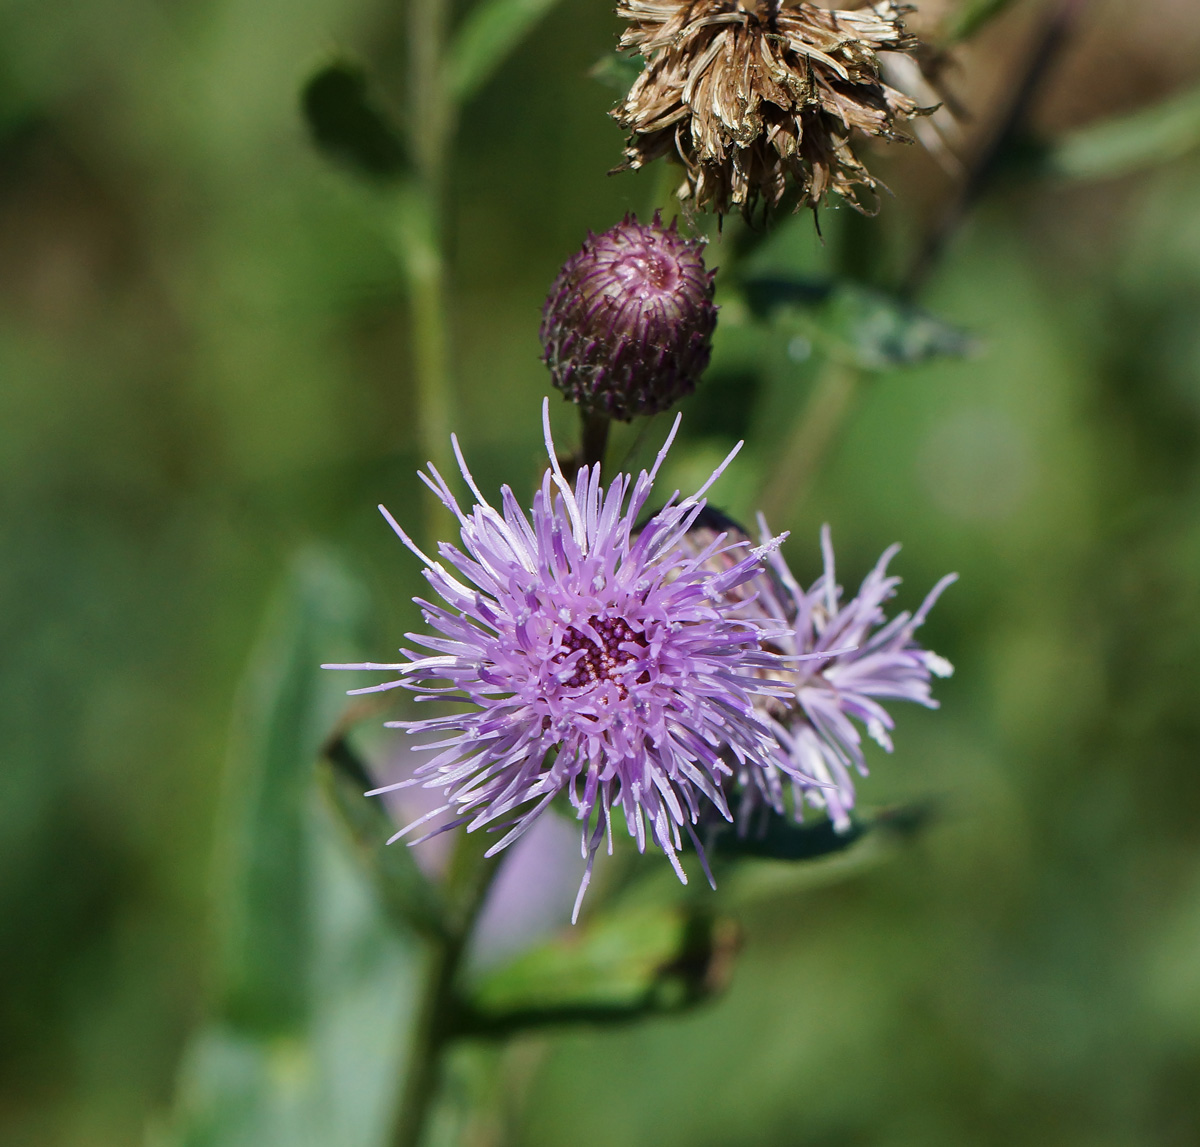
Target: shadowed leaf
<point>782,838</point>
<point>348,126</point>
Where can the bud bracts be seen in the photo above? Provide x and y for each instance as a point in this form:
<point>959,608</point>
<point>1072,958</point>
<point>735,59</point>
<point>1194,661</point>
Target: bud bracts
<point>628,323</point>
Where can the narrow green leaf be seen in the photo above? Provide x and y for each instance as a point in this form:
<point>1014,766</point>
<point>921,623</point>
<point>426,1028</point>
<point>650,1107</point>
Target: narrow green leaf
<point>319,983</point>
<point>348,125</point>
<point>971,17</point>
<point>332,1081</point>
<point>613,969</point>
<point>286,706</point>
<point>1149,136</point>
<point>488,33</point>
<point>865,328</point>
<point>403,889</point>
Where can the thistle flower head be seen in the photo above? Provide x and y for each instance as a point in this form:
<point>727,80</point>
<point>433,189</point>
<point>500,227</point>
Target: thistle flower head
<point>750,95</point>
<point>628,323</point>
<point>848,657</point>
<point>585,659</point>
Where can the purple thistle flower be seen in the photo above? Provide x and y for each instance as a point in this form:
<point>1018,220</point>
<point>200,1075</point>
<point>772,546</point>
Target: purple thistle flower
<point>846,658</point>
<point>594,661</point>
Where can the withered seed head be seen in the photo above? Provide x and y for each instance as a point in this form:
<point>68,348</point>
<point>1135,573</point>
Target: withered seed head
<point>749,94</point>
<point>628,323</point>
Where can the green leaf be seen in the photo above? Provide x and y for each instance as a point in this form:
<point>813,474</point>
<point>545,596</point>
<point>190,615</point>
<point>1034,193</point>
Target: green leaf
<point>864,328</point>
<point>318,982</point>
<point>782,838</point>
<point>645,961</point>
<point>349,127</point>
<point>403,889</point>
<point>969,18</point>
<point>488,33</point>
<point>286,706</point>
<point>334,1080</point>
<point>1150,136</point>
<point>749,872</point>
<point>617,71</point>
<point>766,294</point>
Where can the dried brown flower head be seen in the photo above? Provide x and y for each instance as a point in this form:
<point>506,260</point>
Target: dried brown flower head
<point>749,94</point>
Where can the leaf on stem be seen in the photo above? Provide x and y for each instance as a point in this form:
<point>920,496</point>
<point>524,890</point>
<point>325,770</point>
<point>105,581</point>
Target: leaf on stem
<point>488,33</point>
<point>349,127</point>
<point>1144,138</point>
<point>285,706</point>
<point>782,838</point>
<point>613,969</point>
<point>317,984</point>
<point>970,17</point>
<point>862,327</point>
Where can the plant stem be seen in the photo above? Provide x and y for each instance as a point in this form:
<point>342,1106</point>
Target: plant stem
<point>426,285</point>
<point>812,435</point>
<point>1044,53</point>
<point>468,881</point>
<point>594,435</point>
<point>430,124</point>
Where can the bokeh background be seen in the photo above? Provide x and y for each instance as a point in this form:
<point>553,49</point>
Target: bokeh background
<point>205,363</point>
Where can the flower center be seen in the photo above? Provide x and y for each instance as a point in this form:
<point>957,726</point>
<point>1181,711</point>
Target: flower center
<point>600,661</point>
<point>646,272</point>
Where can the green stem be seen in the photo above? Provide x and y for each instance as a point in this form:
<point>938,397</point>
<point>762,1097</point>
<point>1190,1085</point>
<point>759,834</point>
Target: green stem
<point>812,436</point>
<point>430,125</point>
<point>595,436</point>
<point>468,881</point>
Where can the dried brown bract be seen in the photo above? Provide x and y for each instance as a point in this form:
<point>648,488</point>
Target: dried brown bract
<point>751,95</point>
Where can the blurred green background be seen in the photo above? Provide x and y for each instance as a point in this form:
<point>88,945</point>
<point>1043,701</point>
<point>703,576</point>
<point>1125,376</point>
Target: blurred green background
<point>204,363</point>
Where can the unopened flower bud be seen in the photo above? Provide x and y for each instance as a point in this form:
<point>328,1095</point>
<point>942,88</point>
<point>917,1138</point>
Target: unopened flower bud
<point>628,324</point>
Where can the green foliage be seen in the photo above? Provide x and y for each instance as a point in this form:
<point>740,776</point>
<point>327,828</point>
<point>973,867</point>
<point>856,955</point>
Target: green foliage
<point>306,1050</point>
<point>285,708</point>
<point>488,33</point>
<point>402,887</point>
<point>1144,138</point>
<point>859,326</point>
<point>629,964</point>
<point>334,1078</point>
<point>617,71</point>
<point>349,127</point>
<point>970,17</point>
<point>204,357</point>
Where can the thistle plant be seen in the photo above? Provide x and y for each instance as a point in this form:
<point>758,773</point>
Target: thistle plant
<point>598,647</point>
